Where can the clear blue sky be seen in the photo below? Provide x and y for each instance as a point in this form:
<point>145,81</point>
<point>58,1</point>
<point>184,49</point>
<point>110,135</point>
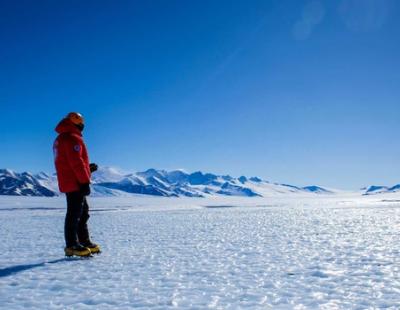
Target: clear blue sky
<point>302,92</point>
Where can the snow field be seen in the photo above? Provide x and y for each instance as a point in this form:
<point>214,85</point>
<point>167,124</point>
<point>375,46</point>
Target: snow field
<point>338,256</point>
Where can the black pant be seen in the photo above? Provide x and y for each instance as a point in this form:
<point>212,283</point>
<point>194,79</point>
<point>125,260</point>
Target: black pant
<point>76,229</point>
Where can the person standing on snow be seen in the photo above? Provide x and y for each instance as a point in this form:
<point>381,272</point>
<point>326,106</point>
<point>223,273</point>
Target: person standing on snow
<point>73,174</point>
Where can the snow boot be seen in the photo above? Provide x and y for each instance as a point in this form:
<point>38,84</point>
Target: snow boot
<point>77,250</point>
<point>93,247</point>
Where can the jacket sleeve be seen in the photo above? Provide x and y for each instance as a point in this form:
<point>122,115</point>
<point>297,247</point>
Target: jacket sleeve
<point>75,159</point>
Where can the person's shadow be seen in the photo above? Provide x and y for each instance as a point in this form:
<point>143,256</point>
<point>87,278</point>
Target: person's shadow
<point>8,271</point>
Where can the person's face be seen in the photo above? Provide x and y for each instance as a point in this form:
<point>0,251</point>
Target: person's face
<point>80,126</point>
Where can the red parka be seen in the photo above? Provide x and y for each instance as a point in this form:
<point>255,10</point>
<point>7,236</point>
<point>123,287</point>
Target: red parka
<point>70,157</point>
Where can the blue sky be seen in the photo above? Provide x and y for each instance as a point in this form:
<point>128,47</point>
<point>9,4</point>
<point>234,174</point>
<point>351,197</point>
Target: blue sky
<point>302,92</point>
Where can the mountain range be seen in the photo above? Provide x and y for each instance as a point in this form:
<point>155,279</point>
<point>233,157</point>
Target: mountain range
<point>109,181</point>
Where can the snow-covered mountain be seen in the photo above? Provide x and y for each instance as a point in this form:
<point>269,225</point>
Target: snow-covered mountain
<point>318,189</point>
<point>109,181</point>
<point>374,189</point>
<point>24,184</point>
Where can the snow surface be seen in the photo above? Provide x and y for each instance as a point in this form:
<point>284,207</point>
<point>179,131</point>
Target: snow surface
<point>225,253</point>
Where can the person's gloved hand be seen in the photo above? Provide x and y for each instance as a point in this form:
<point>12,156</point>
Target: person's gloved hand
<point>93,167</point>
<point>85,189</point>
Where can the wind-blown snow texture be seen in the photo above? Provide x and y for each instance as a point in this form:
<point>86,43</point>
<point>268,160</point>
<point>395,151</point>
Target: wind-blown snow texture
<point>327,253</point>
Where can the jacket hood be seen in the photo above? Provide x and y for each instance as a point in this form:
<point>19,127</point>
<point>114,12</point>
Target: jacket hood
<point>67,126</point>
